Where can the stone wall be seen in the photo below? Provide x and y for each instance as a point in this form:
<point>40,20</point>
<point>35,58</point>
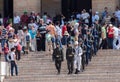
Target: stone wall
<point>98,5</point>
<point>27,5</point>
<point>51,6</point>
<point>54,6</point>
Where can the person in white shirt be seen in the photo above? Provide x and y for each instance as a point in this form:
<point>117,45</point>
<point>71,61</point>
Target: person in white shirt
<point>117,14</point>
<point>11,43</point>
<point>93,17</point>
<point>77,57</point>
<point>16,19</point>
<point>97,16</point>
<point>115,37</point>
<point>13,62</point>
<point>20,34</point>
<point>85,16</point>
<point>58,34</point>
<point>38,18</point>
<point>32,24</point>
<point>78,16</point>
<point>16,22</point>
<point>26,41</point>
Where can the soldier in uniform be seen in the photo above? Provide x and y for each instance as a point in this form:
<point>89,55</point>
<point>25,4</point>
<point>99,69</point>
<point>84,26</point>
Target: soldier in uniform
<point>82,45</point>
<point>70,57</point>
<point>88,42</point>
<point>77,57</point>
<point>95,40</point>
<point>58,57</point>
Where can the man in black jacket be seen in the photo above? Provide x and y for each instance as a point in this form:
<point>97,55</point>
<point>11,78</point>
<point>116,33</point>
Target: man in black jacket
<point>70,57</point>
<point>58,57</point>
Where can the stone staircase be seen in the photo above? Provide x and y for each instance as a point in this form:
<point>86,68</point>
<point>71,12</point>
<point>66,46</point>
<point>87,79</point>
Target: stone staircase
<point>38,67</point>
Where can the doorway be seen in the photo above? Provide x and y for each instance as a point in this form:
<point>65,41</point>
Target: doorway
<point>8,8</point>
<point>70,6</point>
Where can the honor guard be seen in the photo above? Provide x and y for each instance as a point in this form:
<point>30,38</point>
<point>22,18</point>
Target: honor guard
<point>58,57</point>
<point>70,57</point>
<point>77,57</point>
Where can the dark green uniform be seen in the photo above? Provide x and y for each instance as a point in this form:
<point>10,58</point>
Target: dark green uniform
<point>70,59</point>
<point>58,58</point>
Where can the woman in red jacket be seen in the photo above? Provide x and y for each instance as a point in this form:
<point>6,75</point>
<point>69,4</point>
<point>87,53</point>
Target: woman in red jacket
<point>110,36</point>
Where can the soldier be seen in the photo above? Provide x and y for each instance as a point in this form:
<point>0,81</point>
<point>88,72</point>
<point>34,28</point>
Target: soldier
<point>95,40</point>
<point>77,57</point>
<point>58,57</point>
<point>81,43</point>
<point>70,57</point>
<point>88,42</point>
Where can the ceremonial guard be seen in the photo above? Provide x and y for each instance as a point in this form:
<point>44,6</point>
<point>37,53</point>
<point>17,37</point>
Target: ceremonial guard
<point>82,45</point>
<point>58,57</point>
<point>88,42</point>
<point>77,57</point>
<point>70,57</point>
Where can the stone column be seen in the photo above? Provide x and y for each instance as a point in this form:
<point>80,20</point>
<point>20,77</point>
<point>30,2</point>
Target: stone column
<point>1,7</point>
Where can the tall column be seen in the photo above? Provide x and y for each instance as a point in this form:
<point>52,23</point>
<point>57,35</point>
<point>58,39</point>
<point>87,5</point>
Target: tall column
<point>8,8</point>
<point>1,7</point>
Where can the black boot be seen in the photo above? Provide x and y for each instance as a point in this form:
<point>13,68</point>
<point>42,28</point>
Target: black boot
<point>69,72</point>
<point>76,72</point>
<point>58,71</point>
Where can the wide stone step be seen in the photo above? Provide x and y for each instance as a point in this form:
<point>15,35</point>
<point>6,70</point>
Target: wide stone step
<point>38,67</point>
<point>100,76</point>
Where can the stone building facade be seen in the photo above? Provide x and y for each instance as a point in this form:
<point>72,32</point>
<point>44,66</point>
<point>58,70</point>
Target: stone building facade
<point>98,5</point>
<point>54,6</point>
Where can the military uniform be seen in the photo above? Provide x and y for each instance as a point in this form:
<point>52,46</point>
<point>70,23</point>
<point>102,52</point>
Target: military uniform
<point>95,42</point>
<point>70,58</point>
<point>83,56</point>
<point>58,58</point>
<point>88,43</point>
<point>77,59</point>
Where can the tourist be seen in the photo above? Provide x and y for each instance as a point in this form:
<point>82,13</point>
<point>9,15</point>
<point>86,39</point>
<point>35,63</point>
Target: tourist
<point>6,51</point>
<point>13,62</point>
<point>110,36</point>
<point>38,41</point>
<point>16,22</point>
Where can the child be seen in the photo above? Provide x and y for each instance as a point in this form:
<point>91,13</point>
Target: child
<point>6,51</point>
<point>13,61</point>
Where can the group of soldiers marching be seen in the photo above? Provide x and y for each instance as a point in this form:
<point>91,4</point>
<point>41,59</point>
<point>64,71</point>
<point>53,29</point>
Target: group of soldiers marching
<point>78,53</point>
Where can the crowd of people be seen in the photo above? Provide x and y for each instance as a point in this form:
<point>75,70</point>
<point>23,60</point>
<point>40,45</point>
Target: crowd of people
<point>82,35</point>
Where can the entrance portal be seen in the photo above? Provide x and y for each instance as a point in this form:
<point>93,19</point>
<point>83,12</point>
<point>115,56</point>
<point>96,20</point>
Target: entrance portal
<point>8,8</point>
<point>69,6</point>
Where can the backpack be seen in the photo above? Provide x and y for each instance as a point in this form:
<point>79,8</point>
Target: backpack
<point>27,38</point>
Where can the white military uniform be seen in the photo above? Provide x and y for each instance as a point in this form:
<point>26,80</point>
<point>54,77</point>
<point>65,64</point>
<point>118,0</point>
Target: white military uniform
<point>77,57</point>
